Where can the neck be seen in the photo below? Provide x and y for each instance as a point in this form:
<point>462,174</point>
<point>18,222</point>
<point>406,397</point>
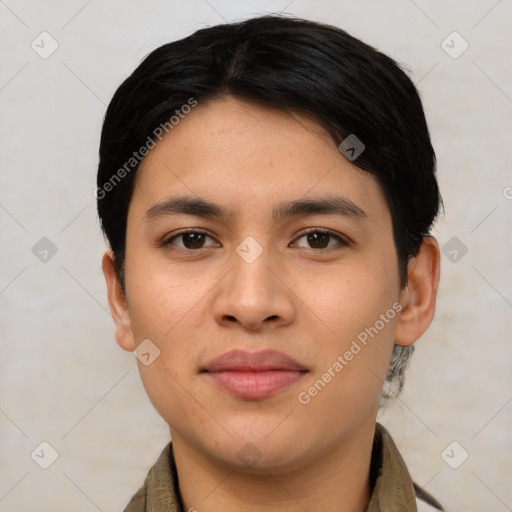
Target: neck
<point>338,480</point>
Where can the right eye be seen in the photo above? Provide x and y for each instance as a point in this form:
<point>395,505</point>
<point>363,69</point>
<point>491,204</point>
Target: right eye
<point>190,240</point>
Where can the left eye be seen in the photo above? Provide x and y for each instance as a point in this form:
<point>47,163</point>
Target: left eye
<point>321,239</point>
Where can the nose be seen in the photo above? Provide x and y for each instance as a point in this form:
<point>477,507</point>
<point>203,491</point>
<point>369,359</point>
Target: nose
<point>254,295</point>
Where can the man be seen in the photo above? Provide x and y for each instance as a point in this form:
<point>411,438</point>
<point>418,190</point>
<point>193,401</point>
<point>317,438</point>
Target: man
<point>267,190</point>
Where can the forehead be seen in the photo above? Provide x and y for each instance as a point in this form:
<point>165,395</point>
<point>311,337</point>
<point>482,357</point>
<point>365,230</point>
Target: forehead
<point>250,156</point>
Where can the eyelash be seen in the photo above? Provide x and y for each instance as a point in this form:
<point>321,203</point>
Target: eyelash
<point>342,242</point>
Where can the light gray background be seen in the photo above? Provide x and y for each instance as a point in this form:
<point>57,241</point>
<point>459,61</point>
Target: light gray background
<point>63,378</point>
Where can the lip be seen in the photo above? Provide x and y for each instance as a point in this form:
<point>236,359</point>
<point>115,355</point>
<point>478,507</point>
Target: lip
<point>254,375</point>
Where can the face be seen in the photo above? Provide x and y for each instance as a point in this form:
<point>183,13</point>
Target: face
<point>260,263</point>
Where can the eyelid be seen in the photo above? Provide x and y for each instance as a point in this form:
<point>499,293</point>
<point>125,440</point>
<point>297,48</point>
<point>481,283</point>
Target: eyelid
<point>168,239</point>
<point>343,239</point>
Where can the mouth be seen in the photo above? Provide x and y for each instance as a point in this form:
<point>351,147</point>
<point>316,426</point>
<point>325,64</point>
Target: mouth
<point>254,375</point>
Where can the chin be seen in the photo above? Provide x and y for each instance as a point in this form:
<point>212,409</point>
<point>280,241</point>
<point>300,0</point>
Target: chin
<point>259,450</point>
<point>250,458</point>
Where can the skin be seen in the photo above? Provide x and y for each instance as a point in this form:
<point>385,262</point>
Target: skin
<point>308,299</point>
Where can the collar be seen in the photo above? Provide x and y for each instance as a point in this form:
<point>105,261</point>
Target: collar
<point>393,488</point>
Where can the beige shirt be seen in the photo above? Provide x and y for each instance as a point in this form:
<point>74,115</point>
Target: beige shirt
<point>393,489</point>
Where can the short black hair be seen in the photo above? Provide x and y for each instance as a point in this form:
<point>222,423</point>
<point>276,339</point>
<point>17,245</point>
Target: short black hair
<point>294,65</point>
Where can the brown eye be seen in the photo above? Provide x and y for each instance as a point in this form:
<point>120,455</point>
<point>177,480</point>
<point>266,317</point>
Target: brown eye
<point>318,239</point>
<point>191,240</point>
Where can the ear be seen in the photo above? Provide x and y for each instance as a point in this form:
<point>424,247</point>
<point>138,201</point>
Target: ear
<point>117,304</point>
<point>418,299</point>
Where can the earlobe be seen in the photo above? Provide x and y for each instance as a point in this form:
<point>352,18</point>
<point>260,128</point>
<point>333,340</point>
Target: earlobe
<point>117,304</point>
<point>418,299</point>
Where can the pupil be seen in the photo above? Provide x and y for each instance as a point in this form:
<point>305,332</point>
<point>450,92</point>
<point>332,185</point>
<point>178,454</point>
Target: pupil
<point>317,239</point>
<point>193,239</point>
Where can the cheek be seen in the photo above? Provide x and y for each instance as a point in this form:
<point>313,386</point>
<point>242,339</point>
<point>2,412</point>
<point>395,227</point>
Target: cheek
<point>165,387</point>
<point>355,310</point>
<point>166,307</point>
<point>352,362</point>
<point>351,299</point>
<point>162,298</point>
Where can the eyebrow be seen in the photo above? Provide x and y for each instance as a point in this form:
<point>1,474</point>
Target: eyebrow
<point>341,206</point>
